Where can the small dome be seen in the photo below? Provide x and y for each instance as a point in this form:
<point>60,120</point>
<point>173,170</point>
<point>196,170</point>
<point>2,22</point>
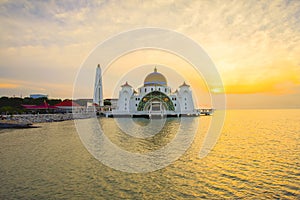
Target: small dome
<point>155,78</point>
<point>184,84</point>
<point>126,85</point>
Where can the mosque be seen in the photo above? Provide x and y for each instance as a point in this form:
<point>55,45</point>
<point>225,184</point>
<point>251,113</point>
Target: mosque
<point>154,98</point>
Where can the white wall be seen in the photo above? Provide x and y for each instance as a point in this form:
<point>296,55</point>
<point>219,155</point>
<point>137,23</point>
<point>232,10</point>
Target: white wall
<point>186,99</point>
<point>124,99</point>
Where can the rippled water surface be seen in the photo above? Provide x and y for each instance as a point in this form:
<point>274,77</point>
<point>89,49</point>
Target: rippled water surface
<point>256,157</point>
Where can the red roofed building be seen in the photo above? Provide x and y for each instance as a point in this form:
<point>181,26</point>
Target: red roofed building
<point>44,106</point>
<point>68,105</point>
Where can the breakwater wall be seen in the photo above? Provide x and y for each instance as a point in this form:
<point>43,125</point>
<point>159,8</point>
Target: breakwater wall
<point>41,118</point>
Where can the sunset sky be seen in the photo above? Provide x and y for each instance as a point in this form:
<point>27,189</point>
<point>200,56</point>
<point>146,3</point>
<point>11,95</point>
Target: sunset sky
<point>255,45</point>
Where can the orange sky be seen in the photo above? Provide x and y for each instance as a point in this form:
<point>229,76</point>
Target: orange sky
<point>254,46</point>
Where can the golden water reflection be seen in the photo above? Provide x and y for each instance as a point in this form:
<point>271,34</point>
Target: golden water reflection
<point>257,156</point>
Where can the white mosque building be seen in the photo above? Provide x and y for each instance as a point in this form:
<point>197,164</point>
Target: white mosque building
<point>155,97</point>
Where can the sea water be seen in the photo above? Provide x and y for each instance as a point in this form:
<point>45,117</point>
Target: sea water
<point>256,156</point>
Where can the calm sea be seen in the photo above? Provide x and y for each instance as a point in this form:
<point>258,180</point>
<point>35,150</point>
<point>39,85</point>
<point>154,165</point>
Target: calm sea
<point>257,156</point>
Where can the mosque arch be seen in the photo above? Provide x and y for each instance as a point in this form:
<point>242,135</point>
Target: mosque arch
<point>158,96</point>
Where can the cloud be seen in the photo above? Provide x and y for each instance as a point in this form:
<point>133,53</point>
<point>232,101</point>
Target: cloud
<point>254,44</point>
<point>8,85</point>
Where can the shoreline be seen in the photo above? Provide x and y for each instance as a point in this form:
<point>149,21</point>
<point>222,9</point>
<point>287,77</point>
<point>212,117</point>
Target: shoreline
<point>40,118</point>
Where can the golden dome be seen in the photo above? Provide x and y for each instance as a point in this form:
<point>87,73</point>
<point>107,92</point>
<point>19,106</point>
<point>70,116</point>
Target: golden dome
<point>155,78</point>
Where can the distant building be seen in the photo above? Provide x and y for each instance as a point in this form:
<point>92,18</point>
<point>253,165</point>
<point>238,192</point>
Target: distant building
<point>36,96</point>
<point>68,106</point>
<point>83,102</point>
<point>113,102</point>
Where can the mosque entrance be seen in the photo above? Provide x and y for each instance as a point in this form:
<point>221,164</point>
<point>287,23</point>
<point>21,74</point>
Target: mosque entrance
<point>155,101</point>
<point>156,106</point>
<point>157,109</point>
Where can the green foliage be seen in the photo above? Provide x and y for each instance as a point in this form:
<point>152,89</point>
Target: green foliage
<point>12,105</point>
<point>7,109</point>
<point>31,101</point>
<point>52,102</point>
<point>107,103</point>
<point>14,102</point>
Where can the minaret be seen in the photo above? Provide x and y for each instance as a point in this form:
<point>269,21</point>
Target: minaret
<point>98,90</point>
